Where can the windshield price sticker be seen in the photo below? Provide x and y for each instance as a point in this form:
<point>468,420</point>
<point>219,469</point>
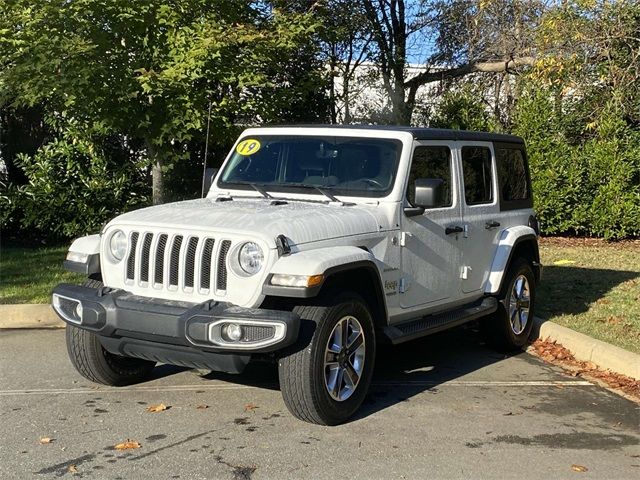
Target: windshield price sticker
<point>248,147</point>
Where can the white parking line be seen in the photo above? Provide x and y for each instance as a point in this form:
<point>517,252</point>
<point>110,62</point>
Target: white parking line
<point>217,386</point>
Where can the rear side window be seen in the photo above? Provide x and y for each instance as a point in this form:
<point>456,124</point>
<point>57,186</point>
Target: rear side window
<point>512,174</point>
<point>476,169</point>
<point>431,162</point>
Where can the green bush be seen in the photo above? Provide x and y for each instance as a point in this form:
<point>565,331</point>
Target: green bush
<point>462,109</point>
<point>75,186</point>
<point>586,175</point>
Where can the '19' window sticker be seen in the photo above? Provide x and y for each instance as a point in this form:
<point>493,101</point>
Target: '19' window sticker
<point>248,147</point>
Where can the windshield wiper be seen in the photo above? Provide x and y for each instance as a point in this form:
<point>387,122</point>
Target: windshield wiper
<point>322,190</point>
<point>329,195</point>
<point>259,189</point>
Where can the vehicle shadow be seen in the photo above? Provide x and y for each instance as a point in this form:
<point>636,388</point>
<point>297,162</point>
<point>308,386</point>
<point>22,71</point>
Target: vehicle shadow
<point>571,290</point>
<point>401,371</point>
<point>422,365</point>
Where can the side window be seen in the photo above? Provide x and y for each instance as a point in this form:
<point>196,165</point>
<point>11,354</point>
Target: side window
<point>476,169</point>
<point>512,174</point>
<point>431,162</point>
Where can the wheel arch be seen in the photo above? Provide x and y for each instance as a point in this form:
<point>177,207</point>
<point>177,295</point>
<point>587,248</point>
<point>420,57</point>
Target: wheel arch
<point>342,267</point>
<point>362,278</point>
<point>514,242</point>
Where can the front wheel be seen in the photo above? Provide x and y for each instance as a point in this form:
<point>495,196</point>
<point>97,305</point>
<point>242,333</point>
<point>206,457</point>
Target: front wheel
<point>94,363</point>
<point>510,326</point>
<point>327,378</point>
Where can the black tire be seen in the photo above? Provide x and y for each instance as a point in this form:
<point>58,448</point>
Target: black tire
<point>94,363</point>
<point>302,372</point>
<point>497,327</point>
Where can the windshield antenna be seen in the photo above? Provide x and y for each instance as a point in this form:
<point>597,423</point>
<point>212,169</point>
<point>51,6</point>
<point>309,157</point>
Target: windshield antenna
<point>206,149</point>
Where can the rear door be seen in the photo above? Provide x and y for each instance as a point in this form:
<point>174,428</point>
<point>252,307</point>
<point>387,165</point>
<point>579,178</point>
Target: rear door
<point>480,213</point>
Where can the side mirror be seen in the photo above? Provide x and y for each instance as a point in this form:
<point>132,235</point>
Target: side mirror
<point>428,194</point>
<point>207,181</point>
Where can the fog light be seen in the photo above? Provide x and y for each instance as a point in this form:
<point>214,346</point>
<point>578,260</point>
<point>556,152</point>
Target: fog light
<point>232,331</point>
<point>79,311</point>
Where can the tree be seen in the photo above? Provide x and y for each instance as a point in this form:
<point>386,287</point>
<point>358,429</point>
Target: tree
<point>456,39</point>
<point>150,69</point>
<point>579,111</point>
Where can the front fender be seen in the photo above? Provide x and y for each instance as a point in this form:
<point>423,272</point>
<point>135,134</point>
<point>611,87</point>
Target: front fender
<point>509,239</point>
<point>321,261</point>
<point>84,255</point>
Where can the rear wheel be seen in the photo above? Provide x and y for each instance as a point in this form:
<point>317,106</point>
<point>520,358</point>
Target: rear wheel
<point>326,379</point>
<point>94,363</point>
<point>510,326</point>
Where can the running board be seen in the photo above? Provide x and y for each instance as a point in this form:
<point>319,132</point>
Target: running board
<point>435,323</point>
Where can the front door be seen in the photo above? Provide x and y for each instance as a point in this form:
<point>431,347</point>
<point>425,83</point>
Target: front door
<point>430,258</point>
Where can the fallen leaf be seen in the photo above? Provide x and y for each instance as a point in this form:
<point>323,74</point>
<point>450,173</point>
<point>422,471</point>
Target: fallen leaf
<point>579,468</point>
<point>157,408</point>
<point>72,469</point>
<point>202,407</point>
<point>45,440</point>
<point>250,406</point>
<point>564,262</point>
<point>128,445</point>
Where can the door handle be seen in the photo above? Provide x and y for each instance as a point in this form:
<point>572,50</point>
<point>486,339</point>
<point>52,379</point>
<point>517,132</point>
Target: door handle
<point>454,229</point>
<point>491,224</point>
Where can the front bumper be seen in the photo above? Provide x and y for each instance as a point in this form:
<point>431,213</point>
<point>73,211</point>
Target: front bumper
<point>173,332</point>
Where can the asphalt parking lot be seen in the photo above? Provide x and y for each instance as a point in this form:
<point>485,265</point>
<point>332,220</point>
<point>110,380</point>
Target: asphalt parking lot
<point>442,407</point>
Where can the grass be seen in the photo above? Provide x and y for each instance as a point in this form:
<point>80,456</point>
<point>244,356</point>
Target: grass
<point>588,285</point>
<point>28,275</point>
<point>592,287</point>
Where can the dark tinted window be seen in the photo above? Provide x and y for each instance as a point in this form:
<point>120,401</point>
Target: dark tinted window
<point>512,173</point>
<point>476,168</point>
<point>431,162</point>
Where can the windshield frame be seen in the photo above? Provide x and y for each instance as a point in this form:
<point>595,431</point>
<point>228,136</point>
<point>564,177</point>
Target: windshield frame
<point>297,187</point>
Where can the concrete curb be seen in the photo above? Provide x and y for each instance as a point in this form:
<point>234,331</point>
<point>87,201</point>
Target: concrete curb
<point>585,348</point>
<point>29,316</point>
<point>582,346</point>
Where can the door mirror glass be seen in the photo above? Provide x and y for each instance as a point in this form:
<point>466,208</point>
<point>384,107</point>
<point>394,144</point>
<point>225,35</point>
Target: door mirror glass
<point>207,181</point>
<point>429,192</point>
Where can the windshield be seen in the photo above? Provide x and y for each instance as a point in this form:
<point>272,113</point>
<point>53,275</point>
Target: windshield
<point>350,166</point>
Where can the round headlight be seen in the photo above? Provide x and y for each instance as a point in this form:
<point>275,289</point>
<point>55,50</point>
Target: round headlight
<point>251,258</point>
<point>118,245</point>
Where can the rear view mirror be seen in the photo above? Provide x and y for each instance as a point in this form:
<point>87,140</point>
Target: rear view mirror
<point>207,181</point>
<point>428,193</point>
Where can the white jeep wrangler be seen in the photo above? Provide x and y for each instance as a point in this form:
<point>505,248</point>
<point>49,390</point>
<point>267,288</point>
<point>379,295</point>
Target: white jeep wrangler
<point>312,245</point>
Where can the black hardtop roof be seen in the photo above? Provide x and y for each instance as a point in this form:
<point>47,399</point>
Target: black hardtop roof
<point>421,133</point>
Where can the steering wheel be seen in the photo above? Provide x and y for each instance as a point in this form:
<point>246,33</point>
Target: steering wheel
<point>373,182</point>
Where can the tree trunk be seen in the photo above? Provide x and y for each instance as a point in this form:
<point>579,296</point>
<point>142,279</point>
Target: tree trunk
<point>157,185</point>
<point>346,99</point>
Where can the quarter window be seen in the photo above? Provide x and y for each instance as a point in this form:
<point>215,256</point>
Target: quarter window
<point>512,173</point>
<point>476,168</point>
<point>431,162</point>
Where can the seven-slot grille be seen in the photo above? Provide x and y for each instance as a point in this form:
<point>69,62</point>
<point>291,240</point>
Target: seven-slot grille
<point>178,262</point>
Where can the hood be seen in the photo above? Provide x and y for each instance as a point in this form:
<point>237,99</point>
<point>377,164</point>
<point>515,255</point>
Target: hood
<point>300,222</point>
